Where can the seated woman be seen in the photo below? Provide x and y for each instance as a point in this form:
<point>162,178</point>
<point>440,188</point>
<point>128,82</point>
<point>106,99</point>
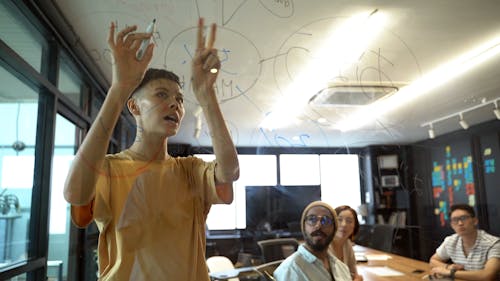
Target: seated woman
<point>341,247</point>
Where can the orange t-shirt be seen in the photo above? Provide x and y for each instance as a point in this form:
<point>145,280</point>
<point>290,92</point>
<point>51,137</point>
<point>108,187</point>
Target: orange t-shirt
<point>151,217</point>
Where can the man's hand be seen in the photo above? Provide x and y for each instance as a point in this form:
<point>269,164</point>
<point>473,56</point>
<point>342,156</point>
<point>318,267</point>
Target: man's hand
<point>127,69</point>
<point>204,62</point>
<point>441,271</point>
<point>455,266</point>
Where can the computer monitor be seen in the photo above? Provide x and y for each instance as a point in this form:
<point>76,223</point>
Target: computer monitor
<point>278,207</point>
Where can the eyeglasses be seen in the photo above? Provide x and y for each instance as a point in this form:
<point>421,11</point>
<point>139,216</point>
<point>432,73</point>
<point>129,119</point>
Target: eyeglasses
<point>346,220</point>
<point>461,219</point>
<point>312,220</point>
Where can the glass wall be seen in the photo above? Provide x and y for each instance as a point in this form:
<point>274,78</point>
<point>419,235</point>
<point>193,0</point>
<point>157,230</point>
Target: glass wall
<point>29,170</point>
<point>60,218</point>
<point>20,180</point>
<point>70,83</point>
<point>19,36</point>
<point>28,108</point>
<point>18,111</point>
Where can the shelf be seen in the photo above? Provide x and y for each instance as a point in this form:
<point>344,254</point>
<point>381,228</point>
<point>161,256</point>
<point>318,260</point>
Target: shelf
<point>391,208</point>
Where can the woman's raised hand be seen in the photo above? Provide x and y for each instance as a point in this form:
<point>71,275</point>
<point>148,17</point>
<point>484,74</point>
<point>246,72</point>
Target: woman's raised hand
<point>127,69</point>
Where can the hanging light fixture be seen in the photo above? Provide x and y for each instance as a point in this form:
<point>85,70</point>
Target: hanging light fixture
<point>18,145</point>
<point>462,122</point>
<point>432,134</point>
<point>496,111</point>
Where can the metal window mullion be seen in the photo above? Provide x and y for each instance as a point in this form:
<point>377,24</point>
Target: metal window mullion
<point>44,147</point>
<point>18,269</point>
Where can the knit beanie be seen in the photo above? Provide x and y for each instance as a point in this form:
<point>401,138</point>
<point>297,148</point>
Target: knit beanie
<point>316,204</point>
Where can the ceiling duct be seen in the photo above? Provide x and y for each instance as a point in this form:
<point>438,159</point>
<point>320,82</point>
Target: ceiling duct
<point>345,95</point>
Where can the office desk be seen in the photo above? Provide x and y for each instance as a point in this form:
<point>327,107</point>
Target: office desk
<point>404,265</point>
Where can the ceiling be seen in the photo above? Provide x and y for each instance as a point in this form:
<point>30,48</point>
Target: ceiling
<point>276,55</point>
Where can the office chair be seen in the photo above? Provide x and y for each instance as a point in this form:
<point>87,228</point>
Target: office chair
<point>277,249</point>
<point>382,237</point>
<point>220,263</point>
<point>364,236</point>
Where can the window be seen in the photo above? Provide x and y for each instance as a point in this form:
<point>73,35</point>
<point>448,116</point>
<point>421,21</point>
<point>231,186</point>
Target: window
<point>60,219</point>
<point>23,222</point>
<point>340,180</point>
<point>299,169</point>
<point>18,111</point>
<point>97,102</point>
<point>18,36</point>
<point>70,83</point>
<point>257,170</point>
<point>299,173</point>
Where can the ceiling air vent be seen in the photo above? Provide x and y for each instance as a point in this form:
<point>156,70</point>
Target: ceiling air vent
<point>351,95</point>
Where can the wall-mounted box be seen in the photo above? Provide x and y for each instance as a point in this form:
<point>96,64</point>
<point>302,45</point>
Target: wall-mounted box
<point>388,161</point>
<point>389,181</point>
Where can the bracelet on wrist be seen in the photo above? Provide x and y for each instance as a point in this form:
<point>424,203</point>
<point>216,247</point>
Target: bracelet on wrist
<point>452,273</point>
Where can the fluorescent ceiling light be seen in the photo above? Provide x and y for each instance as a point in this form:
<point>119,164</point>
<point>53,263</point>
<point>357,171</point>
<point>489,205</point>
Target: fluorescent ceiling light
<point>341,49</point>
<point>422,86</point>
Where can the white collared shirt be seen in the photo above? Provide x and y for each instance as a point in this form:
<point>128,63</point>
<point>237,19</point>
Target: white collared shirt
<point>303,266</point>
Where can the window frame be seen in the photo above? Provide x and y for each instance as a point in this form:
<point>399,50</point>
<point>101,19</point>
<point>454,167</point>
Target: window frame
<point>50,103</point>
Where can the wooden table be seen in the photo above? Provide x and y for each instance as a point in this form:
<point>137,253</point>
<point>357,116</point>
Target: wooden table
<point>413,270</point>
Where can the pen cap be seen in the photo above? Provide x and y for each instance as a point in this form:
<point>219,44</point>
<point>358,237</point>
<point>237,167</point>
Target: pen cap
<point>151,27</point>
<point>145,43</point>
